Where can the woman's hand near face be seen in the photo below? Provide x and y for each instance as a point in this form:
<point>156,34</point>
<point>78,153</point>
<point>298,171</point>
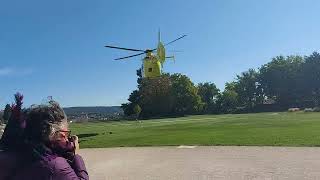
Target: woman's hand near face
<point>76,144</point>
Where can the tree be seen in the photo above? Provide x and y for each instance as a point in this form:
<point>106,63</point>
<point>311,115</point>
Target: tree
<point>279,79</point>
<point>228,101</point>
<point>310,81</point>
<point>1,117</point>
<point>248,89</point>
<point>209,94</point>
<point>156,96</point>
<point>137,110</point>
<point>186,98</point>
<point>7,113</point>
<point>128,108</point>
<point>166,95</point>
<point>153,97</point>
<point>134,97</point>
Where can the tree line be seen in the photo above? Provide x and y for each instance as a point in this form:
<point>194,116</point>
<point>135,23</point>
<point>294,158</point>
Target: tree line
<point>5,114</point>
<point>284,82</point>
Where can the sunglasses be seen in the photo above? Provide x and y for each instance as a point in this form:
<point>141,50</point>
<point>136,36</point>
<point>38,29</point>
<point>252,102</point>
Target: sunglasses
<point>65,134</point>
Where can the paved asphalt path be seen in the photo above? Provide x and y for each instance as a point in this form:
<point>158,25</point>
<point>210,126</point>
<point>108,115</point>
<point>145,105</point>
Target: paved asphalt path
<point>203,163</point>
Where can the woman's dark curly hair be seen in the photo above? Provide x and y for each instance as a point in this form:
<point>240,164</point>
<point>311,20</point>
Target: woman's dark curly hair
<point>43,121</point>
<point>36,125</point>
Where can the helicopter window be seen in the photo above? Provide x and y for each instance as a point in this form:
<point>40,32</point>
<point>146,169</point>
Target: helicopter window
<point>150,70</point>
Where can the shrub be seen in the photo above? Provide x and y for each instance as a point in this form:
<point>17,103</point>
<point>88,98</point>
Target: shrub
<point>316,109</point>
<point>293,109</point>
<point>308,110</point>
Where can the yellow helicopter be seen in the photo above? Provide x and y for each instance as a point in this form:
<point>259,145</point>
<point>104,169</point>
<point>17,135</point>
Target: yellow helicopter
<point>152,63</point>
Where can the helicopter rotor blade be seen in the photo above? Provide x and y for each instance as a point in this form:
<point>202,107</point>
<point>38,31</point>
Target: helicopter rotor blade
<point>175,40</point>
<point>127,49</point>
<point>130,56</point>
<point>176,51</point>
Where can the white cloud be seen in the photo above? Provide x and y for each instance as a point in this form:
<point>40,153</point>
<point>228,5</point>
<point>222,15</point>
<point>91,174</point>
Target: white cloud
<point>6,71</point>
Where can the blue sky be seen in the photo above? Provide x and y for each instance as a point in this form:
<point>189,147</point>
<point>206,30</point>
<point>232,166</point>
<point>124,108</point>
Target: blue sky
<point>55,48</point>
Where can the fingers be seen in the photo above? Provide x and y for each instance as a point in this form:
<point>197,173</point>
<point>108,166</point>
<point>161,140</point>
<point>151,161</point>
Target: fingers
<point>76,143</point>
<point>76,138</point>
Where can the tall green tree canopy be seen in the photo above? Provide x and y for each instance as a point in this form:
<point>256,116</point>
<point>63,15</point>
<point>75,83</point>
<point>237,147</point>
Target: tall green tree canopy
<point>310,81</point>
<point>228,100</point>
<point>156,96</point>
<point>166,95</point>
<point>280,79</point>
<point>291,81</point>
<point>185,93</point>
<point>209,94</point>
<point>248,89</point>
<point>7,113</point>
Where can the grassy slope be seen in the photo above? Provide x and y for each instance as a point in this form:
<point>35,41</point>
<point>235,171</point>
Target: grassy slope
<point>271,129</point>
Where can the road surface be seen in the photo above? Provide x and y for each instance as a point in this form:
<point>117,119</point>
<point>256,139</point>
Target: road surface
<point>203,163</point>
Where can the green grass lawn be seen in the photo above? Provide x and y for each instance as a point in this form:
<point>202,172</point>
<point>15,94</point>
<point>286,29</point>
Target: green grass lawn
<point>262,129</point>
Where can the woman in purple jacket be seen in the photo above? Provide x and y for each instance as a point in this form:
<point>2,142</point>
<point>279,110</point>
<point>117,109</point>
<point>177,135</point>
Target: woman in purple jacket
<point>36,145</point>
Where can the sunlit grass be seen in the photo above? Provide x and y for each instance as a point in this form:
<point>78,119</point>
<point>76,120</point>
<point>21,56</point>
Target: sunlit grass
<point>262,129</point>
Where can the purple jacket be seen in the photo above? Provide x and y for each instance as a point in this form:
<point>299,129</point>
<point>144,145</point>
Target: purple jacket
<point>13,167</point>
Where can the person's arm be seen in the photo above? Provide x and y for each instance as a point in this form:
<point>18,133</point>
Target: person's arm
<point>79,167</point>
<point>74,171</point>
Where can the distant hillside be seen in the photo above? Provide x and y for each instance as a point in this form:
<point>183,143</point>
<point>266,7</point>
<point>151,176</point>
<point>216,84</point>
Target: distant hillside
<point>94,109</point>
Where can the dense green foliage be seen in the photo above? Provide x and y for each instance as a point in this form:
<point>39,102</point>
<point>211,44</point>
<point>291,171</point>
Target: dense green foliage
<point>285,82</point>
<point>167,95</point>
<point>209,94</point>
<point>1,117</point>
<point>261,129</point>
<point>6,113</point>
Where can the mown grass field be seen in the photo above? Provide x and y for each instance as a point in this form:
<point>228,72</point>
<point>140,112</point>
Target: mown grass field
<point>262,129</point>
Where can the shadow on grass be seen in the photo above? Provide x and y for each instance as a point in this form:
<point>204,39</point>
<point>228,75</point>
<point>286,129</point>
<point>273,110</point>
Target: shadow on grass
<point>87,135</point>
<point>83,136</point>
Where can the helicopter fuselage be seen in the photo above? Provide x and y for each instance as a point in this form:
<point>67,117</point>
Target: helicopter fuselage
<point>151,66</point>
